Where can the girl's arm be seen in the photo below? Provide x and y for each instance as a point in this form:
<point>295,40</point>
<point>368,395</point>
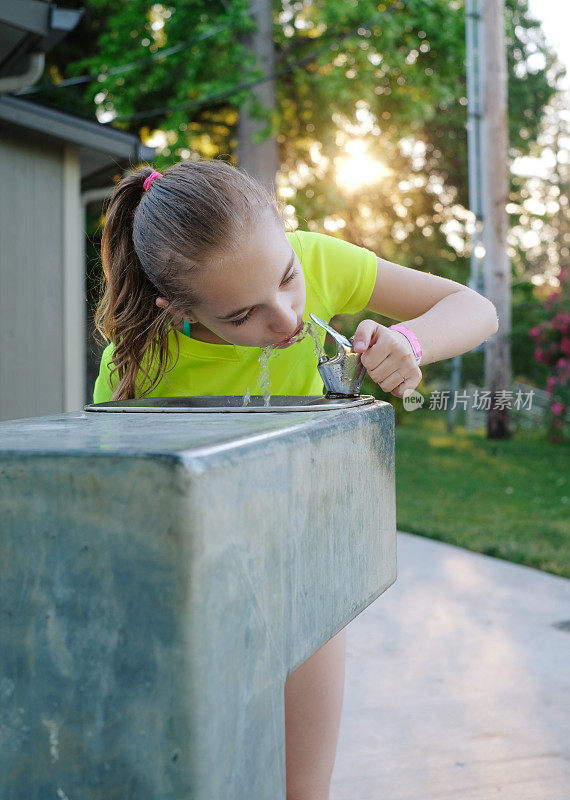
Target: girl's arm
<point>447,317</point>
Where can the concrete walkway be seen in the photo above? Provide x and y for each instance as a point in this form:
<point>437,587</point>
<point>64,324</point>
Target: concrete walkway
<point>458,683</point>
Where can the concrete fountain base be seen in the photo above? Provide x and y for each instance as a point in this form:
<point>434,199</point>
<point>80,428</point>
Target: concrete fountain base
<point>162,574</point>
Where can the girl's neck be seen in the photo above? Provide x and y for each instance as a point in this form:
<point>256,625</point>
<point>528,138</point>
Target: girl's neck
<point>202,334</point>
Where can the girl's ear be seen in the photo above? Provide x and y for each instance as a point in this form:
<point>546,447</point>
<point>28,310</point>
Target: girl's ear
<point>162,302</point>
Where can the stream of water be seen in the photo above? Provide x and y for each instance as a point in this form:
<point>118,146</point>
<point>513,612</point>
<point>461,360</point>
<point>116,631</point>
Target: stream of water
<point>311,330</point>
<point>264,380</point>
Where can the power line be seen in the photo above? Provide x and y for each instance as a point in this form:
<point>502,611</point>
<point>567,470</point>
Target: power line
<point>121,68</point>
<point>192,104</point>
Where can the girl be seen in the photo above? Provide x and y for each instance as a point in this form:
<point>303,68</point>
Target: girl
<point>199,275</point>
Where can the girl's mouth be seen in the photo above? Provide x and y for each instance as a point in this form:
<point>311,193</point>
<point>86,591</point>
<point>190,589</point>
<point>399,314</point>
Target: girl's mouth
<point>291,339</point>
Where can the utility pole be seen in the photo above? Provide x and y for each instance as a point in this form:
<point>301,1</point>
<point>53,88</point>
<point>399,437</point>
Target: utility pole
<point>495,189</point>
<point>259,160</point>
<point>487,141</point>
<point>474,115</point>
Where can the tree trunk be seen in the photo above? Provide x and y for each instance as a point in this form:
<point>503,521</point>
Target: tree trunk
<point>495,196</point>
<point>260,160</point>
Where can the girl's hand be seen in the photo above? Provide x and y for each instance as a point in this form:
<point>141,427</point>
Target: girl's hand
<point>388,357</point>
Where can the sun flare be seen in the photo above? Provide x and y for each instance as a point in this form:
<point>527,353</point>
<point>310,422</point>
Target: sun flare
<point>357,169</point>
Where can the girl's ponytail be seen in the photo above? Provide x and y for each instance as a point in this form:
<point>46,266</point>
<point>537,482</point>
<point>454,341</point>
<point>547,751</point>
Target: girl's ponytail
<point>127,314</point>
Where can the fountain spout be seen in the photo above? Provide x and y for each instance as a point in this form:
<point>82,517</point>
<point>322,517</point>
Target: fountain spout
<point>342,374</point>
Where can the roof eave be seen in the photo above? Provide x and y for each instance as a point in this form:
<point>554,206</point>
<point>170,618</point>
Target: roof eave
<point>75,130</point>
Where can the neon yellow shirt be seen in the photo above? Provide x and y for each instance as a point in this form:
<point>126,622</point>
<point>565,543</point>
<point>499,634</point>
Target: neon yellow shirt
<point>339,279</point>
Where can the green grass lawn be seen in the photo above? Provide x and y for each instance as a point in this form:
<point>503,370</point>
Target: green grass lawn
<point>505,498</point>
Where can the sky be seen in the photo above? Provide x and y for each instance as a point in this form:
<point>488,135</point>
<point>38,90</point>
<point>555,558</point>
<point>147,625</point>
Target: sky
<point>555,18</point>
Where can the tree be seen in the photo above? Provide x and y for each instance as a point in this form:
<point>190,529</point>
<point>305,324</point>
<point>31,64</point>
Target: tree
<point>257,148</point>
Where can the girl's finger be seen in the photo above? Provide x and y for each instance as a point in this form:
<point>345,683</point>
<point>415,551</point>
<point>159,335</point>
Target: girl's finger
<point>392,377</point>
<point>409,384</point>
<point>401,388</point>
<point>365,335</point>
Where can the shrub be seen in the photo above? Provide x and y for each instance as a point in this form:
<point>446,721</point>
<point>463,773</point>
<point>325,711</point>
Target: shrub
<point>551,339</point>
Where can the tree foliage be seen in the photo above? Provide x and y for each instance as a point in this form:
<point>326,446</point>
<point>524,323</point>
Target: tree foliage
<point>397,82</point>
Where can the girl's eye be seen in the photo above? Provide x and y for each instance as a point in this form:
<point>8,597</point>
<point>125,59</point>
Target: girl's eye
<point>249,313</point>
<point>242,320</point>
<point>291,276</point>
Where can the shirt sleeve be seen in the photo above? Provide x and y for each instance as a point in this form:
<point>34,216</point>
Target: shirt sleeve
<point>102,390</point>
<point>345,273</point>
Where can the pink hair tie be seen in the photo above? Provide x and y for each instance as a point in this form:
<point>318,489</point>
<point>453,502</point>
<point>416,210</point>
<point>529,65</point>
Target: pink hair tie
<point>150,179</point>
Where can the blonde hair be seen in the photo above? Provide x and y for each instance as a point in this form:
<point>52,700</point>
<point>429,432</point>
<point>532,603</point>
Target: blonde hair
<point>154,242</point>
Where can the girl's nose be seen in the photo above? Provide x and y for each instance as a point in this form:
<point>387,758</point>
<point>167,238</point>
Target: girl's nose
<point>284,322</point>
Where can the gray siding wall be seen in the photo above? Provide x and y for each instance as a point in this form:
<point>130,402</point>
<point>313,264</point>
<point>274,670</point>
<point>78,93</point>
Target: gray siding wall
<point>31,278</point>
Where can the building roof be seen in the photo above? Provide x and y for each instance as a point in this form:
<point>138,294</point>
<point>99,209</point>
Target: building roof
<point>100,146</point>
<point>28,26</point>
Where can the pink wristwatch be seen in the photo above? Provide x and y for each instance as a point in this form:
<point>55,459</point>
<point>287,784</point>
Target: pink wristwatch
<point>412,339</point>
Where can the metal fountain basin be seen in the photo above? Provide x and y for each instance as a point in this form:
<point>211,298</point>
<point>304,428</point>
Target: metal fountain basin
<point>279,403</point>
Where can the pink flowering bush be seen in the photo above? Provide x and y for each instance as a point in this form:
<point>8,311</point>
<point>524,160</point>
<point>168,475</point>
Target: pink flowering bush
<point>551,338</point>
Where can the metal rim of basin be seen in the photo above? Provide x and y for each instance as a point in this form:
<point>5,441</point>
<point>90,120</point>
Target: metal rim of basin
<point>230,404</point>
